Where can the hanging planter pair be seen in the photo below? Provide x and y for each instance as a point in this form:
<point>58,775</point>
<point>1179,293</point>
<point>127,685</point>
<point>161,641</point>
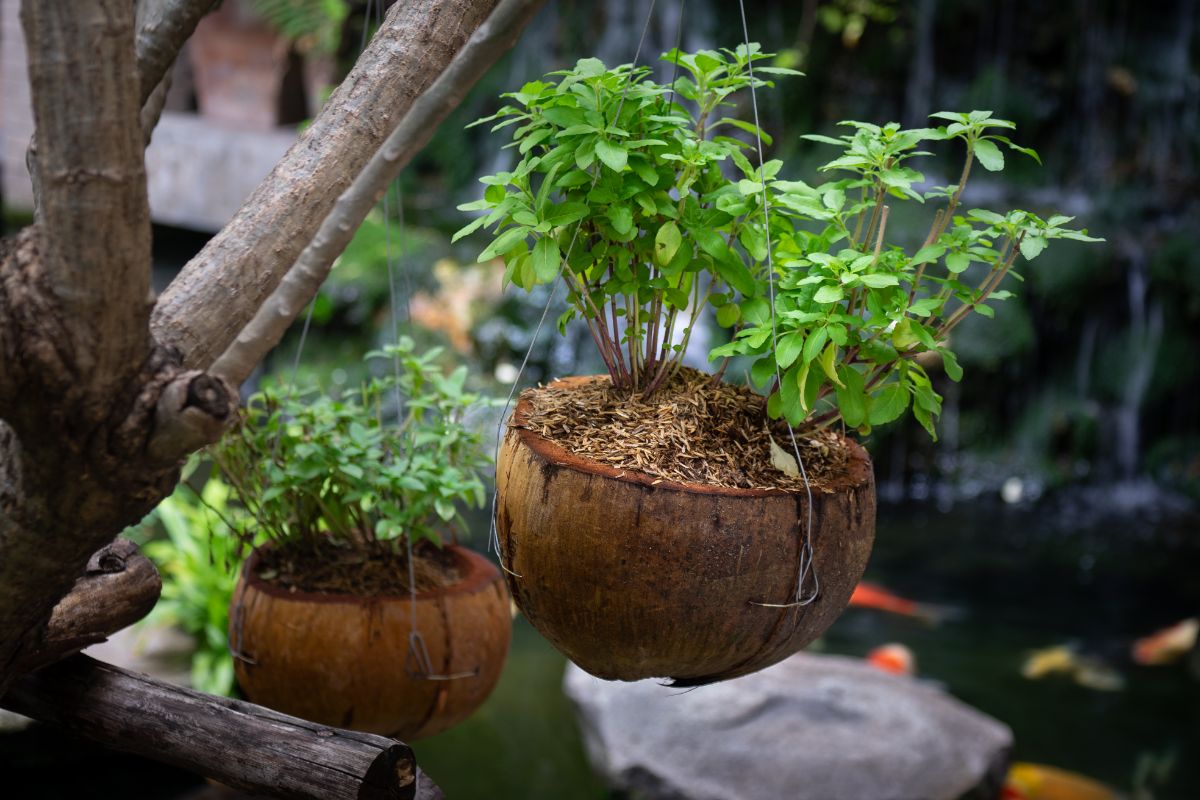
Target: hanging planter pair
<point>355,613</point>
<point>655,522</point>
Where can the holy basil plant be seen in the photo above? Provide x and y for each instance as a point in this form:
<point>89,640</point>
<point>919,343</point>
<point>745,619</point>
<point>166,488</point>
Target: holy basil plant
<point>630,191</point>
<point>854,309</point>
<point>619,189</point>
<point>307,467</point>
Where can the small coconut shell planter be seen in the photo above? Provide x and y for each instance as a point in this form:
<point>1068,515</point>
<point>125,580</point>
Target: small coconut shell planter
<point>344,659</point>
<point>634,576</point>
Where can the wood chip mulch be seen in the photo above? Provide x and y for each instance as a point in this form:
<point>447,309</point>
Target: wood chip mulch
<point>687,432</point>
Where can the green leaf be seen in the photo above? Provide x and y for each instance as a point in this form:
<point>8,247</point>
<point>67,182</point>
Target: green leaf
<point>957,262</point>
<point>566,213</point>
<point>666,243</point>
<point>953,370</point>
<point>789,348</point>
<point>614,156</point>
<point>829,363</point>
<point>888,404</point>
<point>711,242</point>
<point>504,243</point>
<point>762,372</point>
<point>989,155</point>
<point>468,229</point>
<point>928,254</point>
<point>829,294</point>
<point>728,315</point>
<point>878,280</point>
<point>621,218</point>
<point>850,398</point>
<point>735,273</point>
<point>1032,246</point>
<point>925,306</point>
<point>645,171</point>
<point>789,397</point>
<point>546,259</point>
<point>816,340</point>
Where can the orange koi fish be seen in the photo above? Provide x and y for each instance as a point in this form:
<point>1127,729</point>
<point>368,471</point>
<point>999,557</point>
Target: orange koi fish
<point>1040,782</point>
<point>894,658</point>
<point>871,595</point>
<point>1168,645</point>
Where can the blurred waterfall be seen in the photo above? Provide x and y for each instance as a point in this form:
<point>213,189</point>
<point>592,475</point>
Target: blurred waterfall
<point>1145,336</point>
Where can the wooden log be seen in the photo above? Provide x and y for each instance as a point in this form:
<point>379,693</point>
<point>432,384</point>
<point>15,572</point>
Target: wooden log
<point>239,744</point>
<point>118,588</point>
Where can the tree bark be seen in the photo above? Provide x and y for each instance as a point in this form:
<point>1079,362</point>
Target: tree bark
<point>237,743</point>
<point>93,213</point>
<point>119,587</point>
<point>221,289</point>
<point>162,28</point>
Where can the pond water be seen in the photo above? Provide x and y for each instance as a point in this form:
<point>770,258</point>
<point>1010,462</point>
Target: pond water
<point>1016,579</point>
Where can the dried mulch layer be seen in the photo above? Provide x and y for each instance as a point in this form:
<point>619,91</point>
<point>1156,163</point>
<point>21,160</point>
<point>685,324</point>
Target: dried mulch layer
<point>328,567</point>
<point>687,432</point>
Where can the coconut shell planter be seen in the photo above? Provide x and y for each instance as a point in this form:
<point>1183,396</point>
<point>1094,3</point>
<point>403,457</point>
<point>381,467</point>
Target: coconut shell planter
<point>633,576</point>
<point>344,660</point>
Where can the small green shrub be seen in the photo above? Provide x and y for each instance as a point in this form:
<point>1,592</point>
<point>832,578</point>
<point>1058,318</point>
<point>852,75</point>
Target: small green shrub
<point>307,467</point>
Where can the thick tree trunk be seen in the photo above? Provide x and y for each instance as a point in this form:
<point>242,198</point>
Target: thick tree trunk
<point>239,744</point>
<point>96,414</point>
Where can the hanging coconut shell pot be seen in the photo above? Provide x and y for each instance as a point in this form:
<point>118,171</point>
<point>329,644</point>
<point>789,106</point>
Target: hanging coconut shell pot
<point>636,577</point>
<point>346,661</point>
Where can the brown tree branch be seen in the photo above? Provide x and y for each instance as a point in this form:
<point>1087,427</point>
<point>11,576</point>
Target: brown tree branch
<point>93,215</point>
<point>162,28</point>
<point>221,289</point>
<point>119,587</point>
<point>237,743</point>
<point>153,107</point>
<point>492,39</point>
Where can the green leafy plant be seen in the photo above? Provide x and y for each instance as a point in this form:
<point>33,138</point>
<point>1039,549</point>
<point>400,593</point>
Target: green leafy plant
<point>313,25</point>
<point>620,179</point>
<point>308,469</point>
<point>622,190</point>
<point>198,560</point>
<point>853,310</point>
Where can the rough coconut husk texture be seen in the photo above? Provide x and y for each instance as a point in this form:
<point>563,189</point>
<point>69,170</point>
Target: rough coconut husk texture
<point>325,566</point>
<point>687,432</point>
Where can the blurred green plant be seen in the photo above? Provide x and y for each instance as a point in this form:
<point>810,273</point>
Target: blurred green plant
<point>308,469</point>
<point>199,560</point>
<point>313,26</point>
<point>848,18</point>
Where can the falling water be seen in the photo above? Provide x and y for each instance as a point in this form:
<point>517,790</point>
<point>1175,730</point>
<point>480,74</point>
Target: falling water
<point>1145,332</point>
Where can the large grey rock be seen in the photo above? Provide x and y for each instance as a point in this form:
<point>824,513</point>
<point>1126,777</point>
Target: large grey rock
<point>814,727</point>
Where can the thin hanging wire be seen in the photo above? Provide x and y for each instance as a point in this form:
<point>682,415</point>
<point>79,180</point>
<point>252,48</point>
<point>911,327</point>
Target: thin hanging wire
<point>806,565</point>
<point>494,534</point>
<point>417,663</point>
